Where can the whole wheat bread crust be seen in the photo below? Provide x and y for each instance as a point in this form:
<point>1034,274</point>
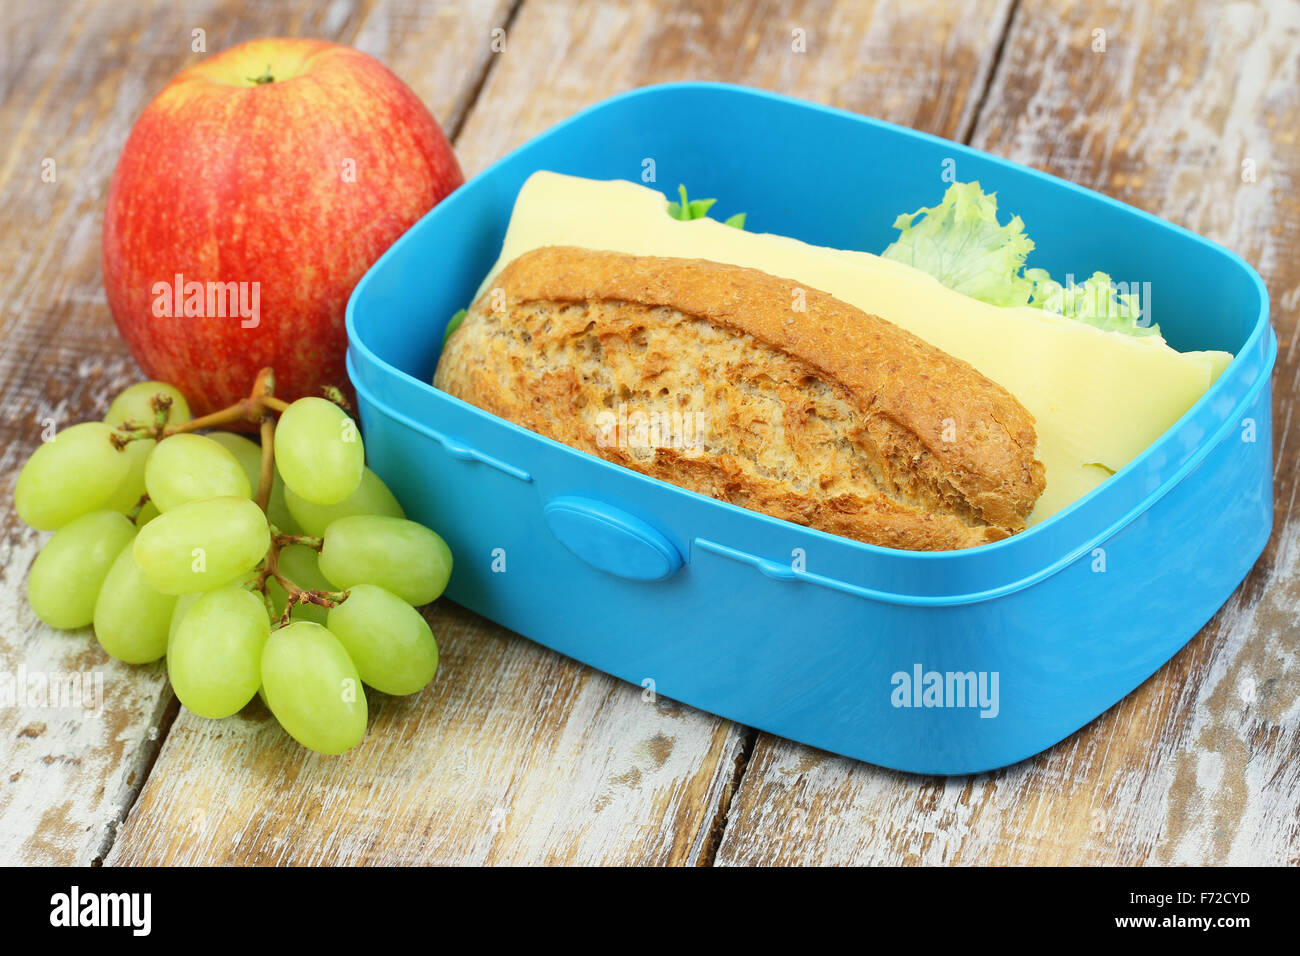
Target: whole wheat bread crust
<point>819,413</point>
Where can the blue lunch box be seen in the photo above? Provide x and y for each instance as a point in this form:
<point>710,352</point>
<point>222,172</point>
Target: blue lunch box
<point>931,662</point>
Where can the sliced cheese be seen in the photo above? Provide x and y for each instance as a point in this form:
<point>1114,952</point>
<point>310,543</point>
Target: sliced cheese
<point>1098,398</point>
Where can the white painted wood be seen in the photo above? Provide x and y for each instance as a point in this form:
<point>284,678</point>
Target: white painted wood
<point>72,86</point>
<point>518,755</point>
<point>1199,765</point>
<point>514,755</point>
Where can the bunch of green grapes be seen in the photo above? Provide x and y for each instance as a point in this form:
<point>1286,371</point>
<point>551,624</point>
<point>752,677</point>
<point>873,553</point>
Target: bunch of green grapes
<point>161,543</point>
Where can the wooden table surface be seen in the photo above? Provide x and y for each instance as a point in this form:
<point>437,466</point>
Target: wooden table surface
<point>515,754</point>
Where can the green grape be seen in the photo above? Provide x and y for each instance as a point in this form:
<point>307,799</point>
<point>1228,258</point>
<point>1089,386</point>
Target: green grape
<point>147,514</point>
<point>136,404</point>
<point>393,553</point>
<point>201,545</point>
<point>246,451</point>
<point>298,563</point>
<point>131,489</point>
<point>189,467</point>
<point>277,509</point>
<point>71,475</point>
<point>388,640</point>
<point>66,576</point>
<point>319,451</point>
<point>249,454</point>
<point>183,604</point>
<point>132,617</point>
<point>372,497</point>
<point>313,688</point>
<point>215,658</point>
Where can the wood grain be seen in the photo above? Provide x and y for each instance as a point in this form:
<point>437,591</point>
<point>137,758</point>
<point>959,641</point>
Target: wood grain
<point>72,85</point>
<point>921,64</point>
<point>517,755</point>
<point>1200,764</point>
<point>513,755</point>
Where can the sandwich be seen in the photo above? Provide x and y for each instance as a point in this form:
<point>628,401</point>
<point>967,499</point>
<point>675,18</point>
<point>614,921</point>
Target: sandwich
<point>857,394</point>
<point>824,415</point>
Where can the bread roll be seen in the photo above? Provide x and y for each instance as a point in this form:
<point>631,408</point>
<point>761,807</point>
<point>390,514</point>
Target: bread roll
<point>750,389</point>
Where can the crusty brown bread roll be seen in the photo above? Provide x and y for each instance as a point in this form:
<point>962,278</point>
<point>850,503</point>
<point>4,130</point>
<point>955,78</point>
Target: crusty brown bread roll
<point>751,389</point>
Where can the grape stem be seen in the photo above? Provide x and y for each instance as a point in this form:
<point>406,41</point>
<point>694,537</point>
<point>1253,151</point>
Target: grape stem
<point>134,513</point>
<point>256,408</point>
<point>267,474</point>
<point>284,540</point>
<point>296,595</point>
<point>325,599</point>
<point>260,407</point>
<point>335,395</point>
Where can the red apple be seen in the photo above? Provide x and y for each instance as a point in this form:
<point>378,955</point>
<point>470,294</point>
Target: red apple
<point>252,194</point>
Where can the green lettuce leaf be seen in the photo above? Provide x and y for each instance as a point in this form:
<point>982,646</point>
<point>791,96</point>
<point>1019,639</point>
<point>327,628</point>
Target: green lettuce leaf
<point>453,324</point>
<point>960,243</point>
<point>699,209</point>
<point>1096,301</point>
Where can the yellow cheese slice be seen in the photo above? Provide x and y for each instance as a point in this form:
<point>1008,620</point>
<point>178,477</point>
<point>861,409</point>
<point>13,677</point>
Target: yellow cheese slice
<point>1098,398</point>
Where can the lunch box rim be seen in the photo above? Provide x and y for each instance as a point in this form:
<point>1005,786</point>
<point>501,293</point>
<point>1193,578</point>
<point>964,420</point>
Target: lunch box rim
<point>784,572</point>
<point>1022,540</point>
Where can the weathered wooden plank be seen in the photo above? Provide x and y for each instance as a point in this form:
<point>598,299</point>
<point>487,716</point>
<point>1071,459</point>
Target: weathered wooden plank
<point>513,755</point>
<point>1199,765</point>
<point>516,754</point>
<point>74,77</point>
<point>919,64</point>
